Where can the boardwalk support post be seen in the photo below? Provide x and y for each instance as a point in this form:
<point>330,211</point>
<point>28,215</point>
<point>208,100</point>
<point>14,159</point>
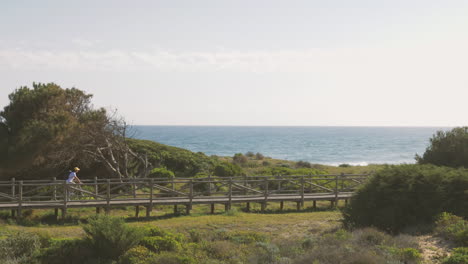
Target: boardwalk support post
<point>247,207</point>
<point>281,205</point>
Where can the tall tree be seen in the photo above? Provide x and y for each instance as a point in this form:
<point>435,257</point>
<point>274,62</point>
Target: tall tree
<point>46,129</point>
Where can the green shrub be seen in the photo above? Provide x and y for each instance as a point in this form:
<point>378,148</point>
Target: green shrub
<point>136,255</point>
<point>19,245</point>
<point>159,244</point>
<point>110,237</point>
<point>398,197</point>
<point>67,251</point>
<point>447,148</point>
<point>239,158</point>
<point>259,156</point>
<point>222,250</point>
<point>459,256</point>
<point>249,154</point>
<point>195,236</point>
<point>247,237</point>
<point>453,228</point>
<point>267,253</point>
<point>303,164</point>
<point>172,258</point>
<point>225,169</point>
<point>155,231</point>
<point>161,173</point>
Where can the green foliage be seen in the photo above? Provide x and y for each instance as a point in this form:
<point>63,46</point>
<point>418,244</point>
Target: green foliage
<point>172,258</point>
<point>459,256</point>
<point>239,158</point>
<point>398,197</point>
<point>158,244</point>
<point>453,228</point>
<point>20,246</point>
<point>259,156</point>
<point>45,127</point>
<point>136,255</point>
<point>303,164</point>
<point>282,171</point>
<point>110,237</point>
<point>68,251</point>
<point>447,148</point>
<point>250,154</point>
<point>161,173</point>
<point>182,162</point>
<point>225,169</point>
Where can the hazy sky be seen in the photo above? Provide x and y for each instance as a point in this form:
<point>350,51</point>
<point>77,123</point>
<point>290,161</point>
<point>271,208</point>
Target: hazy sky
<point>247,62</point>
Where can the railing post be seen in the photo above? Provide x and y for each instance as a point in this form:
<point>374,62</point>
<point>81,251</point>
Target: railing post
<point>66,196</point>
<point>264,205</point>
<point>336,191</point>
<point>13,195</point>
<point>302,190</point>
<point>55,189</point>
<point>209,184</point>
<point>150,207</point>
<point>96,189</point>
<point>230,193</point>
<point>20,199</point>
<point>108,197</point>
<point>189,206</point>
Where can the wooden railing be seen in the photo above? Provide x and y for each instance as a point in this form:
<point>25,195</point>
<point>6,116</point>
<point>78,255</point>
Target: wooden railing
<point>17,195</point>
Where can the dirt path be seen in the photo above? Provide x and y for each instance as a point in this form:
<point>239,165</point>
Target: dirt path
<point>434,249</point>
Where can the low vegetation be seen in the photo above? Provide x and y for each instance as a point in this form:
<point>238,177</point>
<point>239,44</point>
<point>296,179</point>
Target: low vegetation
<point>400,197</point>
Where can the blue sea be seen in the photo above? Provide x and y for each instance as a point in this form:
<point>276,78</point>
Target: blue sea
<point>323,145</point>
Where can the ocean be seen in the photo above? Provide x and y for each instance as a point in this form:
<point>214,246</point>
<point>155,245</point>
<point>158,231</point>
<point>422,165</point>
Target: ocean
<point>321,145</point>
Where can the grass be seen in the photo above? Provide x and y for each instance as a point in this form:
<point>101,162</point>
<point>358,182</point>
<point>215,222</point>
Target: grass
<point>280,225</point>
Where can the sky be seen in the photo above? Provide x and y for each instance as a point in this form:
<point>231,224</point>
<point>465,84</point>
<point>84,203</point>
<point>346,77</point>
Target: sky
<point>252,63</point>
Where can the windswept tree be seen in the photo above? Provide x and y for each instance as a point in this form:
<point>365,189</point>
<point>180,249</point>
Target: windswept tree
<point>46,129</point>
<point>447,148</point>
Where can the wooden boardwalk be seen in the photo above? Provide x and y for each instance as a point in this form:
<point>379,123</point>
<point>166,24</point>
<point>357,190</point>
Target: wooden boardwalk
<point>106,193</point>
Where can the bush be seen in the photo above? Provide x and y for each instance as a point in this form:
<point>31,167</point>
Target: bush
<point>447,148</point>
<point>110,237</point>
<point>239,158</point>
<point>398,197</point>
<point>453,228</point>
<point>161,173</point>
<point>19,245</point>
<point>159,244</point>
<point>67,251</point>
<point>226,169</point>
<point>136,255</point>
<point>250,154</point>
<point>259,156</point>
<point>459,256</point>
<point>303,164</point>
<point>172,258</point>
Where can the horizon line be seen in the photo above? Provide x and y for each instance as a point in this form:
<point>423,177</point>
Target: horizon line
<point>403,126</point>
